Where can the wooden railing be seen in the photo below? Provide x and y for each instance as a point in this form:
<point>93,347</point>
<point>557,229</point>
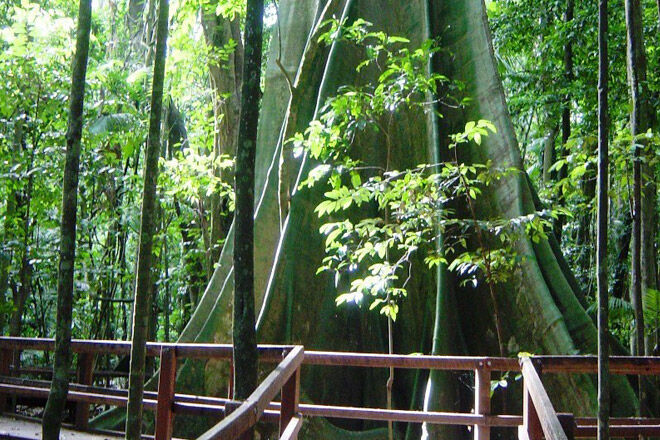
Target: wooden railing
<point>285,378</point>
<point>538,420</point>
<point>165,402</point>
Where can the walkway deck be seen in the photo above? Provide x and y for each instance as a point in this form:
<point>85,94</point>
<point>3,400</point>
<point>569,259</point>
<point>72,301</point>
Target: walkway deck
<point>11,428</point>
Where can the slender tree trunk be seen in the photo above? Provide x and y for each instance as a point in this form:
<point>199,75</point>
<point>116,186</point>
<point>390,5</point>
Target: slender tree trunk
<point>549,155</point>
<point>244,333</point>
<point>141,310</point>
<point>584,234</point>
<point>568,77</point>
<point>639,123</point>
<point>9,229</point>
<point>25,288</point>
<point>150,26</point>
<point>52,419</point>
<point>601,259</point>
<point>166,291</point>
<point>5,259</point>
<point>620,282</point>
<point>24,199</point>
<point>134,17</point>
<point>566,110</point>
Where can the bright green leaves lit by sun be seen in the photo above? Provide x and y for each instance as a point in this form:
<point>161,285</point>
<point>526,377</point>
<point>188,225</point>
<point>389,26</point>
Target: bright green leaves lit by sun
<point>380,219</point>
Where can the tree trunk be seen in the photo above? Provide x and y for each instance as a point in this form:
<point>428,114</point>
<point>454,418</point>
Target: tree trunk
<point>620,282</point>
<point>244,334</point>
<point>643,235</point>
<point>24,198</point>
<point>134,17</point>
<point>141,312</point>
<point>549,155</point>
<point>602,227</point>
<point>584,234</point>
<point>53,413</point>
<point>6,257</point>
<point>566,110</point>
<point>9,228</point>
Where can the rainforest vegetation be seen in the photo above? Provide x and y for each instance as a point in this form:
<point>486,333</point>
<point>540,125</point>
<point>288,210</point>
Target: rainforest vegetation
<point>421,177</point>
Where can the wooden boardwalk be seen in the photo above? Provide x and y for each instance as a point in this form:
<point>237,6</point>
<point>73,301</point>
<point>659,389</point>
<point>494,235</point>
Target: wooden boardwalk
<point>11,428</point>
<point>538,419</point>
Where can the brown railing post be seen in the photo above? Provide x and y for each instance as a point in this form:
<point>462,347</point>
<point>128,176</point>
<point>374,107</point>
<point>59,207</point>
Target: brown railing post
<point>531,422</point>
<point>290,399</point>
<point>230,388</point>
<point>15,365</point>
<point>567,422</point>
<point>5,362</point>
<point>166,383</point>
<point>482,400</point>
<point>85,377</point>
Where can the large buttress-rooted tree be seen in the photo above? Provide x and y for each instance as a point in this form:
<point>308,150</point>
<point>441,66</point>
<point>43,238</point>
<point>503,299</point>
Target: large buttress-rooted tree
<point>143,282</point>
<point>543,304</point>
<point>52,418</point>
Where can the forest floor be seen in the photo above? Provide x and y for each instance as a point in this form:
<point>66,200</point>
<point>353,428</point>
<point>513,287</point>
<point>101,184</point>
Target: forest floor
<point>25,429</point>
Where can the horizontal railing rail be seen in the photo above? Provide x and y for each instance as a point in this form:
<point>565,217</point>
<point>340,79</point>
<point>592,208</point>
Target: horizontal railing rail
<point>268,353</point>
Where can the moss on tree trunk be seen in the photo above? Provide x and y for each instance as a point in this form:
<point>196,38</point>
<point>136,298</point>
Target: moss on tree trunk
<point>52,418</point>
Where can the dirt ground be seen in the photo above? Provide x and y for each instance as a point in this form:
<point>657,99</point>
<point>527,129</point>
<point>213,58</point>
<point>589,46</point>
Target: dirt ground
<point>23,429</point>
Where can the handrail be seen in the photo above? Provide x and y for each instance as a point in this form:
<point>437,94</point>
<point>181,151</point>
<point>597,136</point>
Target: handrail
<point>637,365</point>
<point>644,365</point>
<point>247,415</point>
<point>267,353</point>
<point>542,411</point>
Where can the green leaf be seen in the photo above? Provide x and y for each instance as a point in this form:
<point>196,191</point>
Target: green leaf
<point>356,181</point>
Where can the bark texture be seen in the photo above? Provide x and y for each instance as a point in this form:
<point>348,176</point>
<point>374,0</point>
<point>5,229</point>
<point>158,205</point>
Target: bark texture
<point>143,284</point>
<point>566,109</point>
<point>244,335</point>
<point>52,418</point>
<point>602,226</point>
<point>644,188</point>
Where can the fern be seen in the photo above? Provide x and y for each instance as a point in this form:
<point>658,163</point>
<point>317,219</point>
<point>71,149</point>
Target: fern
<point>114,123</point>
<point>619,308</point>
<point>651,302</point>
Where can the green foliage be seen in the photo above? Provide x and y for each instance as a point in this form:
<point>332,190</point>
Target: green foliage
<point>190,177</point>
<point>530,39</point>
<point>36,43</point>
<point>374,254</point>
